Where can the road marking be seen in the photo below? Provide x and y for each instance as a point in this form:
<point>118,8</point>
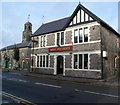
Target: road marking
<point>15,73</point>
<point>20,80</point>
<point>18,99</point>
<point>109,95</point>
<point>15,79</point>
<point>47,85</point>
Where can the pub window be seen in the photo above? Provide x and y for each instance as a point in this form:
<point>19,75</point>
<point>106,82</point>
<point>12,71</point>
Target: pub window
<point>58,38</point>
<point>80,35</point>
<point>86,34</point>
<point>62,38</point>
<point>75,62</point>
<point>47,61</point>
<point>40,61</point>
<point>80,61</point>
<point>75,36</point>
<point>37,61</point>
<point>43,61</point>
<point>43,41</point>
<point>85,61</point>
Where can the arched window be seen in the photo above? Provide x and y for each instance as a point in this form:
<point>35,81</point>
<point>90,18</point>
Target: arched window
<point>29,28</point>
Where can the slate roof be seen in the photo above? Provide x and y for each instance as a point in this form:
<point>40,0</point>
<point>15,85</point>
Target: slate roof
<point>61,24</point>
<point>19,45</point>
<point>52,26</point>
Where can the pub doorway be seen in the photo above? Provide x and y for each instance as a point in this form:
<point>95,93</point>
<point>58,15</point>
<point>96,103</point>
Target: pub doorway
<point>60,65</point>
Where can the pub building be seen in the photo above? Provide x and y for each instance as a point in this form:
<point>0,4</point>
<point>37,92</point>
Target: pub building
<point>81,45</point>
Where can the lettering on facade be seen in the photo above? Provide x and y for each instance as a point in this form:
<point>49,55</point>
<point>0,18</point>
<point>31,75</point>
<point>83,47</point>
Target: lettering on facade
<point>57,49</point>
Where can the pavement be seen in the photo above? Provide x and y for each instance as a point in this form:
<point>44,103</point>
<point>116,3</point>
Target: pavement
<point>110,82</point>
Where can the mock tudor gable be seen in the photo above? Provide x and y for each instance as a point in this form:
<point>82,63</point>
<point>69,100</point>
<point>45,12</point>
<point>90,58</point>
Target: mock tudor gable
<point>81,15</point>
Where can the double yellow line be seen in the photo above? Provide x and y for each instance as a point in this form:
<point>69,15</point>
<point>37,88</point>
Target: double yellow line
<point>25,102</point>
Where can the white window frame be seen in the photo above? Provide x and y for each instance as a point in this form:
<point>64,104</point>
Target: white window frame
<point>83,35</point>
<point>43,41</point>
<point>60,38</point>
<point>82,61</point>
<point>42,61</point>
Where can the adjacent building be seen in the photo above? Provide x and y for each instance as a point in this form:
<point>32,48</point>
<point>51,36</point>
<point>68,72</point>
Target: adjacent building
<point>10,60</point>
<point>81,45</point>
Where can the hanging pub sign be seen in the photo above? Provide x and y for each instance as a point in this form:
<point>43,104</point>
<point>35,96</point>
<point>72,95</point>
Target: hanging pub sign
<point>59,49</point>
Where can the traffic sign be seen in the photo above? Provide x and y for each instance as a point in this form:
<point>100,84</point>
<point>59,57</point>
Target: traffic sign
<point>27,58</point>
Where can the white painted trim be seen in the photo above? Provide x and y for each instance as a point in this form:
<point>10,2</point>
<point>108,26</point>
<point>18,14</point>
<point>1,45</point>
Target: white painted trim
<point>55,65</point>
<point>55,41</point>
<point>72,61</point>
<point>88,60</point>
<point>83,69</point>
<point>39,42</point>
<point>44,67</point>
<point>64,65</point>
<point>36,61</point>
<point>97,41</point>
<point>33,55</point>
<point>82,25</point>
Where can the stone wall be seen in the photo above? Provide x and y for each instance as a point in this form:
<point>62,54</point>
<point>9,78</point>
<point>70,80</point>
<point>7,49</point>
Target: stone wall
<point>95,61</point>
<point>86,74</point>
<point>41,50</point>
<point>68,37</point>
<point>95,33</point>
<point>109,44</point>
<point>43,70</point>
<point>51,40</point>
<point>87,47</point>
<point>68,61</point>
<point>51,61</point>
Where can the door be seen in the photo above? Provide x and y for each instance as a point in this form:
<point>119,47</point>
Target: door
<point>59,65</point>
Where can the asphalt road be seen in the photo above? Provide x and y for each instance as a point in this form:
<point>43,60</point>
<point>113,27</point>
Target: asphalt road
<point>37,90</point>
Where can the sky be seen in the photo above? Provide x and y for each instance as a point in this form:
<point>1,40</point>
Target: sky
<point>14,15</point>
